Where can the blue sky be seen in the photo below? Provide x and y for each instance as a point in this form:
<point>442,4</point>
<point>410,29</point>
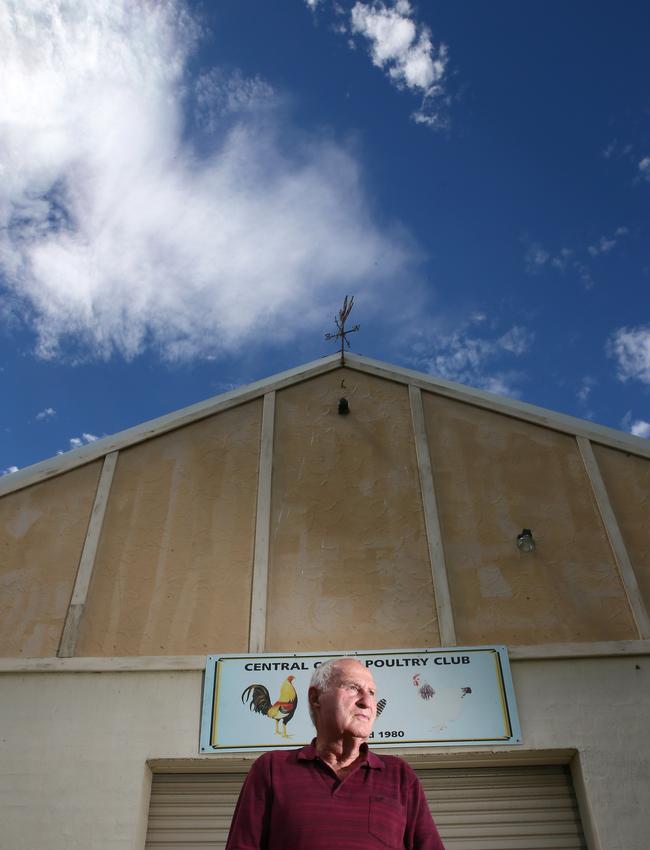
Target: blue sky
<point>189,190</point>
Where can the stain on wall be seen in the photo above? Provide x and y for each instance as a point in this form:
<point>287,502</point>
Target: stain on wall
<point>42,532</point>
<point>174,564</point>
<point>349,565</point>
<point>495,475</point>
<point>627,479</point>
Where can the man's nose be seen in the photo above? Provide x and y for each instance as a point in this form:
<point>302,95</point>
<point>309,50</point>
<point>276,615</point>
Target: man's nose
<point>366,698</point>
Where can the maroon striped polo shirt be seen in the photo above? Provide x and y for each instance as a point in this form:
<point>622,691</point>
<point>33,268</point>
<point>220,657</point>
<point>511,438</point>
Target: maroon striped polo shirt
<point>291,800</point>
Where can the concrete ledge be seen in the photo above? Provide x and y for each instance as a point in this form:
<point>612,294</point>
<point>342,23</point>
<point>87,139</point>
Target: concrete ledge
<point>127,664</point>
<point>417,756</point>
<point>181,663</point>
<point>596,649</point>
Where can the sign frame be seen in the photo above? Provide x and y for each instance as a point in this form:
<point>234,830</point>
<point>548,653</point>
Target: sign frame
<point>502,699</point>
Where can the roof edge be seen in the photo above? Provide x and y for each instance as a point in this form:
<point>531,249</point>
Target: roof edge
<point>510,407</point>
<point>571,425</point>
<point>66,461</point>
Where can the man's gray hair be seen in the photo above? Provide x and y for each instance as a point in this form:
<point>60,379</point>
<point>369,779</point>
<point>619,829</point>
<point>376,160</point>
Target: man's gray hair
<point>322,679</point>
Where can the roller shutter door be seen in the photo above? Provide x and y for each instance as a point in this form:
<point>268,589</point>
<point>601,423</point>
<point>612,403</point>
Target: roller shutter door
<point>491,808</point>
<point>191,811</point>
<point>505,808</point>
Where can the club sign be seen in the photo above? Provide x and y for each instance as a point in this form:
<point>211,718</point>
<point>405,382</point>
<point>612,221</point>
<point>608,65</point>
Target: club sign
<point>461,696</point>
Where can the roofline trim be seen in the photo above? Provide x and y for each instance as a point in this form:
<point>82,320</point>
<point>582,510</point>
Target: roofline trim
<point>501,404</point>
<point>179,418</point>
<point>162,424</point>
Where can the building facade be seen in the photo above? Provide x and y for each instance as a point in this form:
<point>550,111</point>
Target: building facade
<point>265,520</point>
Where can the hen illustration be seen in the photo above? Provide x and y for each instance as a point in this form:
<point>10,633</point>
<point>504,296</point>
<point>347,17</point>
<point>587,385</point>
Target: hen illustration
<point>282,710</point>
<point>446,703</point>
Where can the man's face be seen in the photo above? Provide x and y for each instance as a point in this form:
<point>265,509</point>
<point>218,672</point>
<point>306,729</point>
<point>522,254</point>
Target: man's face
<point>348,707</point>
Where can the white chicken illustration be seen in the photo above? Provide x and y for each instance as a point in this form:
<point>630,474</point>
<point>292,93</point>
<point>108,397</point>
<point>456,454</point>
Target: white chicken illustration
<point>446,703</point>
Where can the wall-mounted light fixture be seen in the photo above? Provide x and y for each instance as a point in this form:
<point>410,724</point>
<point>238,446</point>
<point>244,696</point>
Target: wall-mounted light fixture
<point>525,541</point>
<point>344,407</point>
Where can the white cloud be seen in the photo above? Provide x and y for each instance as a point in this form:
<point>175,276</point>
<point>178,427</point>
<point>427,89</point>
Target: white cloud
<point>584,394</point>
<point>636,427</point>
<point>405,51</point>
<point>644,167</point>
<point>631,348</point>
<point>640,428</point>
<point>608,150</point>
<point>218,94</point>
<point>584,274</point>
<point>474,360</point>
<point>587,385</point>
<point>605,244</point>
<point>567,259</point>
<point>562,260</point>
<point>118,233</point>
<point>9,470</point>
<point>47,413</point>
<point>536,258</point>
<point>76,442</point>
<point>517,340</point>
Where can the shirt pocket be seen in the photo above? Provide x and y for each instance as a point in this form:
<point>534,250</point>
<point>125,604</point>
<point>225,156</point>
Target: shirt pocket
<point>387,821</point>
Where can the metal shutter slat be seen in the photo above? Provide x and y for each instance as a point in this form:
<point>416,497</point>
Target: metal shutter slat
<point>504,808</point>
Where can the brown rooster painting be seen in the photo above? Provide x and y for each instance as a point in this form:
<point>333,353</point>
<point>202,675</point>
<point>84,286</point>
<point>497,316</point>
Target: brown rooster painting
<point>282,710</point>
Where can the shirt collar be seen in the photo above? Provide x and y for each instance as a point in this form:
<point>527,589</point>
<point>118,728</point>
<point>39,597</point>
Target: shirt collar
<point>309,753</point>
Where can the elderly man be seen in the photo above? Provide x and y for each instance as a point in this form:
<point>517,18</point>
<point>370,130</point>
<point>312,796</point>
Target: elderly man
<point>334,794</point>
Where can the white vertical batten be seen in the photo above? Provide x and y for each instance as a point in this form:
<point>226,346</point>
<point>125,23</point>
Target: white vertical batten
<point>257,633</point>
<point>87,561</point>
<point>432,522</point>
<point>619,550</point>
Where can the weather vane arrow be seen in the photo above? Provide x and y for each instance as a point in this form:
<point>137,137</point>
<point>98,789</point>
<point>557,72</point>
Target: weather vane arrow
<point>340,321</point>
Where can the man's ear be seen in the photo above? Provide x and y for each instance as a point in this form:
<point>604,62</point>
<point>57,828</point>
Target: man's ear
<point>313,695</point>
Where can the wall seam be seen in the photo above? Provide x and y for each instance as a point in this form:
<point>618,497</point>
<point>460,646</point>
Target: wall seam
<point>259,587</point>
<point>616,542</point>
<point>70,635</point>
<point>432,522</point>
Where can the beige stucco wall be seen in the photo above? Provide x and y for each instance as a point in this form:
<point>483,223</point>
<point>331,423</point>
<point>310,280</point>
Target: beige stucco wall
<point>42,530</point>
<point>174,564</point>
<point>495,475</point>
<point>348,561</point>
<point>627,478</point>
<point>348,556</point>
<point>74,747</point>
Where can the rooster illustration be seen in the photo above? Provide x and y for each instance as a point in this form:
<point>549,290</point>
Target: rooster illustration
<point>447,702</point>
<point>259,700</point>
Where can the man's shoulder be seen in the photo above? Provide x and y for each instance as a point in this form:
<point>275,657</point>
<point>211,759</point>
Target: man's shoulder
<point>276,759</point>
<point>394,765</point>
<point>280,755</point>
<point>394,762</point>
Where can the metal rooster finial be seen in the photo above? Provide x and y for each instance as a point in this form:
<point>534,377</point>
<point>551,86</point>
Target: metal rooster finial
<point>340,321</point>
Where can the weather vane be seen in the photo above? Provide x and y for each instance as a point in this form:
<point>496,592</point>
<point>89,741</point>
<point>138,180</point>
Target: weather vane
<point>340,321</point>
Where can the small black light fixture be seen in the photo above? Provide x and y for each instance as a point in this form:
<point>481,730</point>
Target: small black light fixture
<point>526,541</point>
<point>344,407</point>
